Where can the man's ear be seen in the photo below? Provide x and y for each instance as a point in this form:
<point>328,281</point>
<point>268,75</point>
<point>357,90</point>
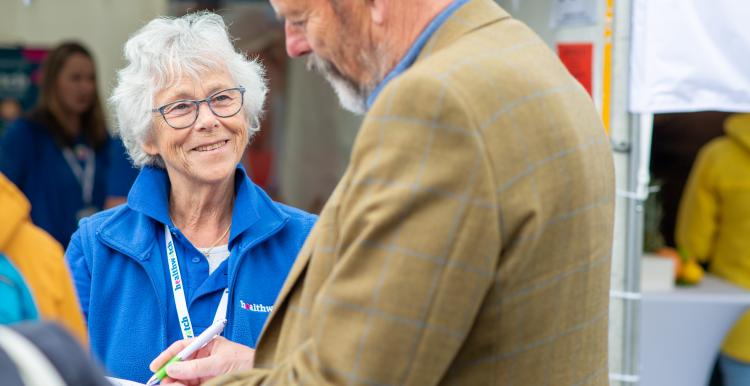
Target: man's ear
<point>377,10</point>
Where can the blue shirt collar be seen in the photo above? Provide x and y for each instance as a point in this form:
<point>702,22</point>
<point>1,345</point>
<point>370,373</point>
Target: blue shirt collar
<point>416,48</point>
<point>150,196</point>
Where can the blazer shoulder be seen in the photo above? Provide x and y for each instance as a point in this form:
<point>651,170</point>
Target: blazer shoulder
<point>420,98</point>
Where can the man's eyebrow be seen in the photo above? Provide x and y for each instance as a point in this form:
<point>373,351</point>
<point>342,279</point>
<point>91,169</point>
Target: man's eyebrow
<point>281,15</point>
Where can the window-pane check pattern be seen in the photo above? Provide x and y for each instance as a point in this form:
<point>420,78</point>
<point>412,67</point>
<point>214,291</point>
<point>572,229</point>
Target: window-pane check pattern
<point>469,241</point>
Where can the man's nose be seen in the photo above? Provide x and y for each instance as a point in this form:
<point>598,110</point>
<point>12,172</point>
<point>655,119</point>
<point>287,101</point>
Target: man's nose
<point>296,41</point>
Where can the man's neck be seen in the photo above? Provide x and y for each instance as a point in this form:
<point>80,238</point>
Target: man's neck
<point>409,19</point>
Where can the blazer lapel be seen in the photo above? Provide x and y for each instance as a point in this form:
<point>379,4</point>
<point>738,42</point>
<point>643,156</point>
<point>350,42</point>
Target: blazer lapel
<point>305,254</point>
<point>303,257</point>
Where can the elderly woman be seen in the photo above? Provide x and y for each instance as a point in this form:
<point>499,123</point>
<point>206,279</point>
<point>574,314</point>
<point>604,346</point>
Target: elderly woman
<point>197,241</point>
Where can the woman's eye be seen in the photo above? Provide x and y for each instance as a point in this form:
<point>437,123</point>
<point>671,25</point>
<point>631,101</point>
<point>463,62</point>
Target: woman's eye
<point>178,108</point>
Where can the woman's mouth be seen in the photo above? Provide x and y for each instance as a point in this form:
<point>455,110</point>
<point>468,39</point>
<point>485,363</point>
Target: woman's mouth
<point>212,146</point>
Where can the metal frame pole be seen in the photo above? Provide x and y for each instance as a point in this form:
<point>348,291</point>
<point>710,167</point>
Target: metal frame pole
<point>635,144</point>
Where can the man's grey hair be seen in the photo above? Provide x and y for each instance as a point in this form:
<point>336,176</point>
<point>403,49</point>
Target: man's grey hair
<point>159,55</point>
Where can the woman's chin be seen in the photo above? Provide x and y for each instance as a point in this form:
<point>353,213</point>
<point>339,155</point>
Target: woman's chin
<point>218,173</point>
<point>211,172</point>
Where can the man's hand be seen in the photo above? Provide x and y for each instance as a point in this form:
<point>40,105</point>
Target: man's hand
<point>219,356</point>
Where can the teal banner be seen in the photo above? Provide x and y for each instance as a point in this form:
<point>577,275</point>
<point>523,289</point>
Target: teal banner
<point>20,74</point>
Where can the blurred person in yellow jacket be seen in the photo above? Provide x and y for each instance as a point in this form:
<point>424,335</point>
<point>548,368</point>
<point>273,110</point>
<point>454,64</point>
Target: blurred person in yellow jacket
<point>39,258</point>
<point>713,225</point>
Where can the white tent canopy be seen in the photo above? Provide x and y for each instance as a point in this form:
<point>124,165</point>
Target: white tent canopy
<point>690,55</point>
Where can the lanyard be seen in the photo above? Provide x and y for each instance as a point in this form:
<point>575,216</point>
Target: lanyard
<point>85,175</point>
<point>179,292</point>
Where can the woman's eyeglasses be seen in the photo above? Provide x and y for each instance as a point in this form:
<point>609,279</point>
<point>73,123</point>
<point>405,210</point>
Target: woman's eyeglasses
<point>182,114</point>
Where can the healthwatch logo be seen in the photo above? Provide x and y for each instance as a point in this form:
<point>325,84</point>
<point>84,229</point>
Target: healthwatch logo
<point>255,307</point>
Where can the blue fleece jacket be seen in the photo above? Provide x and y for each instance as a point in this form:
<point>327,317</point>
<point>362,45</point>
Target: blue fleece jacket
<point>119,267</point>
<point>33,161</point>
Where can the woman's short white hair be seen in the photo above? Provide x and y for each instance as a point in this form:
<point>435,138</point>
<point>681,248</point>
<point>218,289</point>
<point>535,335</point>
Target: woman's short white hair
<point>159,55</point>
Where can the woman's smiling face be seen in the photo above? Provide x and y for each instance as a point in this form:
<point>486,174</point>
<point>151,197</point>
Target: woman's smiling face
<point>207,151</point>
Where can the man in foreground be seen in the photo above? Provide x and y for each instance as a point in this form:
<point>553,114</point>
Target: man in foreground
<point>469,240</point>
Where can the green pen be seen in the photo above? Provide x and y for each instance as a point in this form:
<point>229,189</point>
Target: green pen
<point>209,334</point>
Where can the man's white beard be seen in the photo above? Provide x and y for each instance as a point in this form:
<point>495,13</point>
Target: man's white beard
<point>352,96</point>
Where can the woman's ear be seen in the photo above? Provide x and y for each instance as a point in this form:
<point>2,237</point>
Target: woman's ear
<point>149,146</point>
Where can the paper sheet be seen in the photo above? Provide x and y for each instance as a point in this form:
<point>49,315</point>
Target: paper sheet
<point>123,382</point>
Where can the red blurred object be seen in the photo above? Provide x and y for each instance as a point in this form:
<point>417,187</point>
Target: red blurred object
<point>259,166</point>
<point>578,58</point>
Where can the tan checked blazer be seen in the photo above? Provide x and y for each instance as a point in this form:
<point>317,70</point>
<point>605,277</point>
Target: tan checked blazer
<point>469,241</point>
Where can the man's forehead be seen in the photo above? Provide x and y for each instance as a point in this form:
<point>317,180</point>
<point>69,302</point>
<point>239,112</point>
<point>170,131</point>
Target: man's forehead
<point>287,8</point>
<point>274,5</point>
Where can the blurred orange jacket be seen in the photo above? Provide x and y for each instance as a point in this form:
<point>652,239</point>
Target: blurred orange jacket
<point>39,258</point>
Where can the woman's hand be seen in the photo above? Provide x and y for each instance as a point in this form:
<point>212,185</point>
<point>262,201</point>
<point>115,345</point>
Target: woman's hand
<point>219,356</point>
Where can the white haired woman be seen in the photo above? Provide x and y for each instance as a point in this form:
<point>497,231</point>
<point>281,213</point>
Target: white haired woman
<point>197,241</point>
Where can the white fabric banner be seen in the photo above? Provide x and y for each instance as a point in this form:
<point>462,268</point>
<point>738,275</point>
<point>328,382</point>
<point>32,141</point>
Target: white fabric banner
<point>690,55</point>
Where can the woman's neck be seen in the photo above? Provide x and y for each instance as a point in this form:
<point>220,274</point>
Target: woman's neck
<point>71,123</point>
<point>202,212</point>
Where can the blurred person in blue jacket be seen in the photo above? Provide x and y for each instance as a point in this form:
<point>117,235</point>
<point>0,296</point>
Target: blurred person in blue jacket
<point>10,110</point>
<point>121,176</point>
<point>58,155</point>
<point>197,240</point>
<point>16,303</point>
